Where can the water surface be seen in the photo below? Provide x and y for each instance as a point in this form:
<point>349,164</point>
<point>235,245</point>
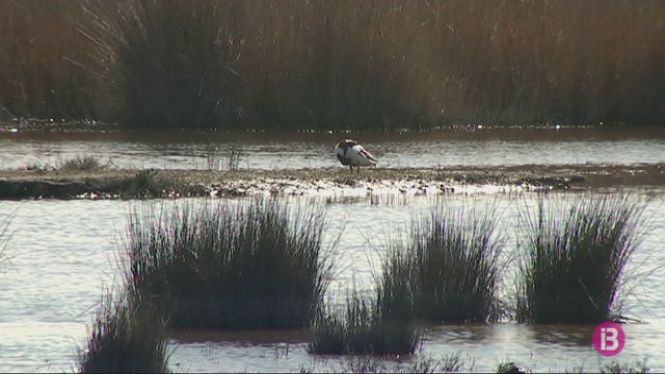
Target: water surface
<point>477,147</point>
<point>65,253</point>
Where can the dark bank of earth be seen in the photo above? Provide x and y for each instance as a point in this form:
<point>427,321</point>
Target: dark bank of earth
<point>126,184</point>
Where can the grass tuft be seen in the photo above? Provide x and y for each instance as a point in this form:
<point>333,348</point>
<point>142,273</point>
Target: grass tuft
<point>455,265</point>
<point>85,163</point>
<point>574,260</point>
<point>222,266</point>
<point>125,338</point>
<point>363,329</point>
<point>615,367</point>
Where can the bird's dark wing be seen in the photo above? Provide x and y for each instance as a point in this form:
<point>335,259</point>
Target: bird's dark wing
<point>343,160</point>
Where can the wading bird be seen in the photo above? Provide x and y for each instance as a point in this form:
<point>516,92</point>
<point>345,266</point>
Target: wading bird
<point>351,154</point>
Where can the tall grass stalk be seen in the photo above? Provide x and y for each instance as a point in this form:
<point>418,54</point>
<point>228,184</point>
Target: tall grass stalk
<point>125,338</point>
<point>574,260</point>
<point>255,265</point>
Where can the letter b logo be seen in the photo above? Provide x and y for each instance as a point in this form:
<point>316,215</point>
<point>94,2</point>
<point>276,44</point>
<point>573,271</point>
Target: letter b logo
<point>608,339</point>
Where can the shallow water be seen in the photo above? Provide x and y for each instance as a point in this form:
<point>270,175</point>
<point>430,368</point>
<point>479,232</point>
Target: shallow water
<point>480,147</point>
<point>64,253</point>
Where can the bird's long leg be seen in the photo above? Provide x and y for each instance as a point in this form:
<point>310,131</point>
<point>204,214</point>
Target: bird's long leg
<point>351,167</point>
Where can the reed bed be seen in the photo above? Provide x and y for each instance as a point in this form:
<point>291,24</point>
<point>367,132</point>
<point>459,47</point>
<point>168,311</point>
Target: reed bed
<point>125,338</point>
<point>574,261</point>
<point>333,65</point>
<point>222,266</point>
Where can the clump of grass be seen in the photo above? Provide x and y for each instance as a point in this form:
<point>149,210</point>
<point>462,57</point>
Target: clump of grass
<point>125,338</point>
<point>615,367</point>
<point>380,325</point>
<point>421,364</point>
<point>220,266</point>
<point>510,368</point>
<point>450,270</point>
<point>147,183</point>
<point>574,261</point>
<point>363,329</point>
<point>83,163</point>
<point>454,261</point>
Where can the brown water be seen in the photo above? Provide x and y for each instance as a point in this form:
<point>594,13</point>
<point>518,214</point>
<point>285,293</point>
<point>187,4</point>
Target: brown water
<point>64,253</point>
<point>468,147</point>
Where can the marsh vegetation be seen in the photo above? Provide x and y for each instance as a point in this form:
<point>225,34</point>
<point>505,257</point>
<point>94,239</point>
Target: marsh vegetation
<point>332,65</point>
<point>226,266</point>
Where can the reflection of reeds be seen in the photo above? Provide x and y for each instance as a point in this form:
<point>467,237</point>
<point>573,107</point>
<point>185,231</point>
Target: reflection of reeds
<point>254,266</point>
<point>574,260</point>
<point>125,338</point>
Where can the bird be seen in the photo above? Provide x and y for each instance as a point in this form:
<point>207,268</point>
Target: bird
<point>351,154</point>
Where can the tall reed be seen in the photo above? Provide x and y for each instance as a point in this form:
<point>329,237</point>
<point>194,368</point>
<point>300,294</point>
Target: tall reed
<point>45,66</point>
<point>333,64</point>
<point>169,61</point>
<point>255,265</point>
<point>574,261</point>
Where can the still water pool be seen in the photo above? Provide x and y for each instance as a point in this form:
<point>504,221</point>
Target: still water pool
<point>63,254</point>
<point>497,147</point>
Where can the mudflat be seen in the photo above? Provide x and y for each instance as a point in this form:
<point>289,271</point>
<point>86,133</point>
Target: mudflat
<point>149,183</point>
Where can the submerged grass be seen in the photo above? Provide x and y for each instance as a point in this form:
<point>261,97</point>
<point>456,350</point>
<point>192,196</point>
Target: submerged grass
<point>450,273</point>
<point>125,338</point>
<point>421,364</point>
<point>364,328</point>
<point>574,260</point>
<point>222,266</point>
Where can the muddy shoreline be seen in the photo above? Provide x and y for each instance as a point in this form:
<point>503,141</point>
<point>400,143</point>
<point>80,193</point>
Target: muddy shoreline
<point>129,184</point>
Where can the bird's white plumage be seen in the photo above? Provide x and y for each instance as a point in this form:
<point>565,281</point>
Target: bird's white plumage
<point>351,154</point>
<point>359,156</point>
